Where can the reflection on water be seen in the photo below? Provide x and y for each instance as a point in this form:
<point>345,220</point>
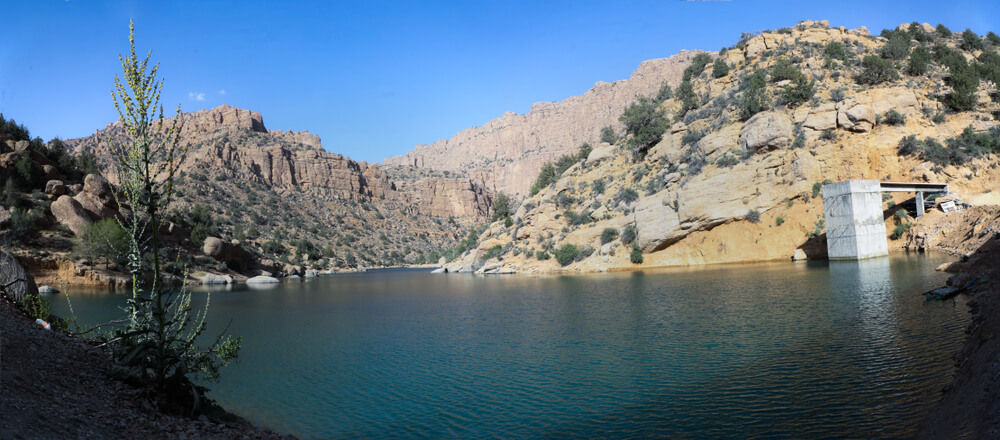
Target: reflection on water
<point>814,350</point>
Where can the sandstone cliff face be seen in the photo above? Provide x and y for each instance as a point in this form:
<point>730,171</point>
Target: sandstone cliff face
<point>507,152</point>
<point>717,189</point>
<point>448,197</point>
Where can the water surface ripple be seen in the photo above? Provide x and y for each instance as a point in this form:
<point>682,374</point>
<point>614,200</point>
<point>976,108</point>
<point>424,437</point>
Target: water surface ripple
<point>818,350</point>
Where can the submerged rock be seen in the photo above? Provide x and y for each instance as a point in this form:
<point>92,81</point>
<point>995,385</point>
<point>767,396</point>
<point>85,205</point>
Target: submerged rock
<point>262,279</point>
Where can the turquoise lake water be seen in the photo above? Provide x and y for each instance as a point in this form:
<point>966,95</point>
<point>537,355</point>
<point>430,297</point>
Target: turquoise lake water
<point>783,350</point>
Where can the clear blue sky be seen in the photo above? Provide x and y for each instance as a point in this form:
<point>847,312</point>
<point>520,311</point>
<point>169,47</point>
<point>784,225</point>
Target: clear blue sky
<point>373,79</point>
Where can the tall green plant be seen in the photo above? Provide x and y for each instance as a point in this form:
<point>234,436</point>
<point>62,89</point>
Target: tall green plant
<point>157,349</point>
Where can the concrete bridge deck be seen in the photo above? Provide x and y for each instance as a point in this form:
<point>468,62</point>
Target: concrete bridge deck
<point>855,228</point>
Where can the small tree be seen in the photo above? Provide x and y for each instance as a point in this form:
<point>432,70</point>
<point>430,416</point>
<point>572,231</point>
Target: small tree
<point>876,70</point>
<point>754,99</point>
<point>157,348</point>
<point>917,65</point>
<point>636,255</point>
<point>835,49</point>
<point>566,254</point>
<point>971,41</point>
<point>608,135</point>
<point>719,68</point>
<point>664,93</point>
<point>644,120</point>
<point>689,100</point>
<point>943,30</point>
<point>104,239</point>
<point>501,207</point>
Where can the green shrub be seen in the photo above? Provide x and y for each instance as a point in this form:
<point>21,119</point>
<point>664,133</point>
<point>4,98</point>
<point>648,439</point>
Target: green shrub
<point>646,123</point>
<point>493,252</point>
<point>720,68</point>
<point>597,186</point>
<point>36,307</point>
<point>943,31</point>
<point>784,69</point>
<point>689,100</point>
<point>971,41</point>
<point>892,117</point>
<point>919,59</point>
<point>636,255</point>
<point>754,99</point>
<point>26,170</point>
<point>22,225</point>
<point>876,70</point>
<point>916,32</point>
<point>501,207</point>
<point>542,255</point>
<point>964,81</point>
<point>993,39</point>
<point>566,254</point>
<point>837,95</point>
<point>828,135</point>
<point>835,49</point>
<point>574,219</point>
<point>664,93</point>
<point>628,234</point>
<point>900,230</point>
<point>608,235</point>
<point>272,247</point>
<point>897,48</point>
<point>627,195</point>
<point>691,137</point>
<point>779,221</point>
<point>104,239</point>
<point>800,91</point>
<point>753,216</point>
<point>608,135</point>
<point>9,195</point>
<point>697,66</point>
<point>727,160</point>
<point>546,176</point>
<point>817,187</point>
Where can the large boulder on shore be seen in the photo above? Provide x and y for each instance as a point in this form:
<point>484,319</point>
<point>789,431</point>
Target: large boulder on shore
<point>766,131</point>
<point>70,213</point>
<point>656,223</point>
<point>232,254</point>
<point>96,197</point>
<point>55,188</point>
<point>263,279</point>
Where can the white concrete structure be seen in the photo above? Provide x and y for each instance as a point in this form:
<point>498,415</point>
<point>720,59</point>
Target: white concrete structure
<point>855,228</point>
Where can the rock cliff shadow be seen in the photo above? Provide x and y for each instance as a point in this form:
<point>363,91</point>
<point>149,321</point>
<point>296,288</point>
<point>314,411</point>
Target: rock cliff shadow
<point>815,247</point>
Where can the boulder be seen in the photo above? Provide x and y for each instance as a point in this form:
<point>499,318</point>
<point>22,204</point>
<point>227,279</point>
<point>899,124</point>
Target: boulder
<point>21,145</point>
<point>263,279</point>
<point>766,131</point>
<point>233,255</point>
<point>799,255</point>
<point>96,197</point>
<point>294,277</point>
<point>720,141</point>
<point>855,116</point>
<point>4,216</point>
<point>440,270</point>
<point>657,224</point>
<point>605,151</point>
<point>51,172</point>
<point>55,187</point>
<point>311,274</point>
<point>49,290</point>
<point>822,118</point>
<point>606,248</point>
<point>216,279</point>
<point>70,213</point>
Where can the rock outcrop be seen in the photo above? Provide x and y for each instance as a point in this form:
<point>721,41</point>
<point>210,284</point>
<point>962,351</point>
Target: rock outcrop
<point>232,254</point>
<point>506,153</point>
<point>766,131</point>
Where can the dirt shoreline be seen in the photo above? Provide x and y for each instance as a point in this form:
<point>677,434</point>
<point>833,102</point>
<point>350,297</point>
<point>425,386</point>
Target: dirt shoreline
<point>970,404</point>
<point>54,386</point>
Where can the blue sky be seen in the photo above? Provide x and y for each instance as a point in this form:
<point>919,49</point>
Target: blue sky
<point>373,79</point>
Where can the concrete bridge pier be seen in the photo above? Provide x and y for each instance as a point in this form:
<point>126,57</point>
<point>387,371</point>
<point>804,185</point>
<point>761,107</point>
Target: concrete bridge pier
<point>855,229</point>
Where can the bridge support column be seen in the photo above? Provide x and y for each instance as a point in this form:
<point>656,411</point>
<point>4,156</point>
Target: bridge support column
<point>855,228</point>
<point>920,204</point>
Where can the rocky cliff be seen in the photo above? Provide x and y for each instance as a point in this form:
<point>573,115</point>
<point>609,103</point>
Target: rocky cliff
<point>506,153</point>
<point>730,182</point>
<point>283,186</point>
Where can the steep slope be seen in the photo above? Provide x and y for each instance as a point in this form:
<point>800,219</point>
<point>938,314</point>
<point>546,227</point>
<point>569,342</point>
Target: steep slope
<point>507,152</point>
<point>730,181</point>
<point>265,185</point>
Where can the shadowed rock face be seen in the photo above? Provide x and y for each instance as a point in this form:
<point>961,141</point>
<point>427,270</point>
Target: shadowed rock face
<point>506,153</point>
